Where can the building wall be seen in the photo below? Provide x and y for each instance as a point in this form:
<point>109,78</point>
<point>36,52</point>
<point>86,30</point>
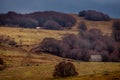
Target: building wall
<point>95,58</point>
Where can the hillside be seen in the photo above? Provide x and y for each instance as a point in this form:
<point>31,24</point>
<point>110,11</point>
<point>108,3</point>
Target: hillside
<point>32,36</point>
<point>43,64</point>
<point>21,35</point>
<point>104,26</point>
<point>54,20</point>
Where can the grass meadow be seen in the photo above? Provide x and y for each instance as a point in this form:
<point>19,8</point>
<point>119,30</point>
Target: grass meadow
<point>44,64</point>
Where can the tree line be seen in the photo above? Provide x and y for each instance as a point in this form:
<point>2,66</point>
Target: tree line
<point>82,46</point>
<point>47,20</point>
<point>94,15</point>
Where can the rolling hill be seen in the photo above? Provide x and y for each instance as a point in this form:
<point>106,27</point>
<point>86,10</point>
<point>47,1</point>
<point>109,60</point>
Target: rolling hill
<point>43,64</point>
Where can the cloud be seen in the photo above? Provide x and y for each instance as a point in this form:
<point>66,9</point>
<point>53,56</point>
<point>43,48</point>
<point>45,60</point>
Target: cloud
<point>107,1</point>
<point>74,6</point>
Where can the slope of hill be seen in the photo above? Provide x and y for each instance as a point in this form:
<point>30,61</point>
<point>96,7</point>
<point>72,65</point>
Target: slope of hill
<point>43,64</point>
<point>29,37</point>
<point>104,26</point>
<point>22,36</point>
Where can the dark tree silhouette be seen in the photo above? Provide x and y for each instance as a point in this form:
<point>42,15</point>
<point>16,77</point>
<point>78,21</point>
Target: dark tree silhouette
<point>50,45</point>
<point>52,25</point>
<point>2,64</point>
<point>1,61</point>
<point>71,40</point>
<point>35,19</point>
<point>82,13</point>
<point>116,30</point>
<point>82,46</point>
<point>94,15</point>
<point>82,26</point>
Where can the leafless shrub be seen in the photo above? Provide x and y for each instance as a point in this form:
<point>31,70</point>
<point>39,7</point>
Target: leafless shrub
<point>7,40</point>
<point>82,26</point>
<point>116,30</point>
<point>52,25</point>
<point>2,64</point>
<point>65,69</point>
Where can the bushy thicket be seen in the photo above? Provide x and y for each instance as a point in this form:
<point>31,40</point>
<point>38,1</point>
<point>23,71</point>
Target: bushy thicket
<point>116,25</point>
<point>82,26</point>
<point>82,46</point>
<point>2,66</point>
<point>7,40</point>
<point>45,19</point>
<point>116,35</point>
<point>53,25</point>
<point>65,69</point>
<point>94,15</point>
<point>1,61</point>
<point>116,30</point>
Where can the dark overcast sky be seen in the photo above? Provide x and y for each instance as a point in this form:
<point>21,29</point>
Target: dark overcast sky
<point>111,7</point>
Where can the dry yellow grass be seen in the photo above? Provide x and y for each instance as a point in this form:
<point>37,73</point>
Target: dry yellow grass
<point>104,26</point>
<point>46,64</point>
<point>44,72</point>
<point>32,36</point>
<point>14,57</point>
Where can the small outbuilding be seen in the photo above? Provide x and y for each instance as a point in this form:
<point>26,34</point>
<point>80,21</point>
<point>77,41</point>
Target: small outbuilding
<point>38,27</point>
<point>95,58</point>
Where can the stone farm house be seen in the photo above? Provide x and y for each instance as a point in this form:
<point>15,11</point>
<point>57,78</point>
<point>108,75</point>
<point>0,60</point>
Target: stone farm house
<point>95,58</point>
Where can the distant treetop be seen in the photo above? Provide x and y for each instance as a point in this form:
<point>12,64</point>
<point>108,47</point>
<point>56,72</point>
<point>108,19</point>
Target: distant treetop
<point>94,15</point>
<point>32,20</point>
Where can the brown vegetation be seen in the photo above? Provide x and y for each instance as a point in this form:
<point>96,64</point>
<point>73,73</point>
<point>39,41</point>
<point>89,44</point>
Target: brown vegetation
<point>116,30</point>
<point>35,19</point>
<point>82,46</point>
<point>82,26</point>
<point>7,40</point>
<point>64,69</point>
<point>94,15</point>
<point>2,64</point>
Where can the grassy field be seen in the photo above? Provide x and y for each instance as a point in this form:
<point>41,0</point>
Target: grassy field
<point>87,71</point>
<point>43,64</point>
<point>32,36</point>
<point>16,57</point>
<point>45,67</point>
